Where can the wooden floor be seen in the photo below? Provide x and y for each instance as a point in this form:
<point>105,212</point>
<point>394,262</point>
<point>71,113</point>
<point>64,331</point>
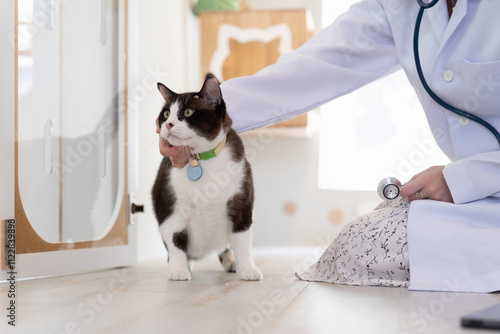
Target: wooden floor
<point>140,300</point>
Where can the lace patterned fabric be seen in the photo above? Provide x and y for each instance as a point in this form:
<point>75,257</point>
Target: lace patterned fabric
<point>371,250</point>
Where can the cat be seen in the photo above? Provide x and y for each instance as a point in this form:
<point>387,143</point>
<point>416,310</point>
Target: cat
<point>207,205</point>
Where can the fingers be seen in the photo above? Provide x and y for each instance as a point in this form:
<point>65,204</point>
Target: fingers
<point>429,184</point>
<point>181,159</point>
<point>413,189</point>
<point>179,155</point>
<point>158,129</point>
<point>410,188</point>
<point>417,175</point>
<point>417,188</point>
<point>417,196</point>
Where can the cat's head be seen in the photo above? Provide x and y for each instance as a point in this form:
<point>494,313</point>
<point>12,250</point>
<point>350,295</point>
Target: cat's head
<point>198,120</point>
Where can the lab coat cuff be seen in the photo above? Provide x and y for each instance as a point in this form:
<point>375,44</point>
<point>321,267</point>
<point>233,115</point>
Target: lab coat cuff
<point>460,182</point>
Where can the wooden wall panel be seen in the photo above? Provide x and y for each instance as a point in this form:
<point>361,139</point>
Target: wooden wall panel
<point>248,57</point>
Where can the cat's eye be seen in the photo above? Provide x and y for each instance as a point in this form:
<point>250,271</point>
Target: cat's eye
<point>188,112</point>
<point>166,114</point>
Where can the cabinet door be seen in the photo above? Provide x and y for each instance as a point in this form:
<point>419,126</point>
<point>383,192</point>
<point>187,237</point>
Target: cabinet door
<point>70,148</point>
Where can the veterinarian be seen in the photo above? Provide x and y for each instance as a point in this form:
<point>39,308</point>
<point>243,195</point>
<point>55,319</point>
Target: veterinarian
<point>453,223</point>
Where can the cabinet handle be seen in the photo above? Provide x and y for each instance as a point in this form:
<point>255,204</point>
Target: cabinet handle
<point>102,13</point>
<point>47,130</point>
<point>103,152</point>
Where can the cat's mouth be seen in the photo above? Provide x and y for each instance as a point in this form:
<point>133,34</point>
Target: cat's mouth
<point>174,140</point>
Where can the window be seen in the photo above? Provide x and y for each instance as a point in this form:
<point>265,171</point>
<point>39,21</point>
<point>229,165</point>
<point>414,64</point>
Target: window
<point>377,131</point>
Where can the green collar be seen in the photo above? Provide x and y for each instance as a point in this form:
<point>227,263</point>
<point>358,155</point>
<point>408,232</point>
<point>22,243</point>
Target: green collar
<point>213,152</point>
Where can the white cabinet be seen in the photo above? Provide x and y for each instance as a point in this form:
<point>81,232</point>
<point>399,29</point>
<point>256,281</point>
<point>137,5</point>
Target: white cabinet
<point>66,120</point>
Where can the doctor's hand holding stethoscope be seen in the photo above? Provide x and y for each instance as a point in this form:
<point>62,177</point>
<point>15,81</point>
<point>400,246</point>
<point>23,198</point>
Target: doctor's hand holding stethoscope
<point>428,184</point>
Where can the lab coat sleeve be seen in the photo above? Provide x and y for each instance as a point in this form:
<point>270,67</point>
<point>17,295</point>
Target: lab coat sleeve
<point>474,178</point>
<point>356,49</point>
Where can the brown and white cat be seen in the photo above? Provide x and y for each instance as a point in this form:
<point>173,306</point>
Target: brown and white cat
<point>207,205</point>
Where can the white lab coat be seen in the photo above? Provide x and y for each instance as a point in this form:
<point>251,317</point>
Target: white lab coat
<point>453,247</point>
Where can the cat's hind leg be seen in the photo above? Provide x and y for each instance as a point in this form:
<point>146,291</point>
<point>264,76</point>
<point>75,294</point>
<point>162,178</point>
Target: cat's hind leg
<point>226,258</point>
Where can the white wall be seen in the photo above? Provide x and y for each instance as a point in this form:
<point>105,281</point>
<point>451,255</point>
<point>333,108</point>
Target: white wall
<point>290,208</point>
<point>162,35</point>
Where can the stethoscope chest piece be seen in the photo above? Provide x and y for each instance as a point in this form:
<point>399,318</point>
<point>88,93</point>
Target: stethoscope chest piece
<point>389,188</point>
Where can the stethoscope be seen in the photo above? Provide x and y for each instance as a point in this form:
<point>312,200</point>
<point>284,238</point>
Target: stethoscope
<point>390,187</point>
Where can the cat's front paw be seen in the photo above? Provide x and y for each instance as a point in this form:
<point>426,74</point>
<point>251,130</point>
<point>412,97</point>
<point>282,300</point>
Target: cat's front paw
<point>249,274</point>
<point>179,274</point>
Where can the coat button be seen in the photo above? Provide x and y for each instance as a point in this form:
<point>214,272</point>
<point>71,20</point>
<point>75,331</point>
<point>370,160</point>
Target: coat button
<point>448,75</point>
<point>463,121</point>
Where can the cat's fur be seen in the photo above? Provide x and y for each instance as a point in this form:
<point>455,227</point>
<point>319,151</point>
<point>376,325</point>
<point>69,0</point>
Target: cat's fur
<point>214,213</point>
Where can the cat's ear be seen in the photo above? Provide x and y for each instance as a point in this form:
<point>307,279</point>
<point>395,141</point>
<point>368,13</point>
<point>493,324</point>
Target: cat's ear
<point>211,91</point>
<point>167,94</point>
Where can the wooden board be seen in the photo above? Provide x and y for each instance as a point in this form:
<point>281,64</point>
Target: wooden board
<point>247,58</point>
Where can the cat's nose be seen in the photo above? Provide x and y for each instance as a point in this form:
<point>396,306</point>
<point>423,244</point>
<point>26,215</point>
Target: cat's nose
<point>169,125</point>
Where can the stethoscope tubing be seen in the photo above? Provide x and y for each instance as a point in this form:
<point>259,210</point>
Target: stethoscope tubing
<point>426,5</point>
<point>437,99</point>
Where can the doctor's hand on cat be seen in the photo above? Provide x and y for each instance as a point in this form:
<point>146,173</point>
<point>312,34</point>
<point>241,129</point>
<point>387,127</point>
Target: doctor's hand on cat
<point>429,184</point>
<point>179,155</point>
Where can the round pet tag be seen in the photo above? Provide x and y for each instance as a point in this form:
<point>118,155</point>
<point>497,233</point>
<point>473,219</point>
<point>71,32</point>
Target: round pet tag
<point>194,173</point>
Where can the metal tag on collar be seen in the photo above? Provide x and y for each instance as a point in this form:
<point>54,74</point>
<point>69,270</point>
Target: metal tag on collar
<point>194,170</point>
